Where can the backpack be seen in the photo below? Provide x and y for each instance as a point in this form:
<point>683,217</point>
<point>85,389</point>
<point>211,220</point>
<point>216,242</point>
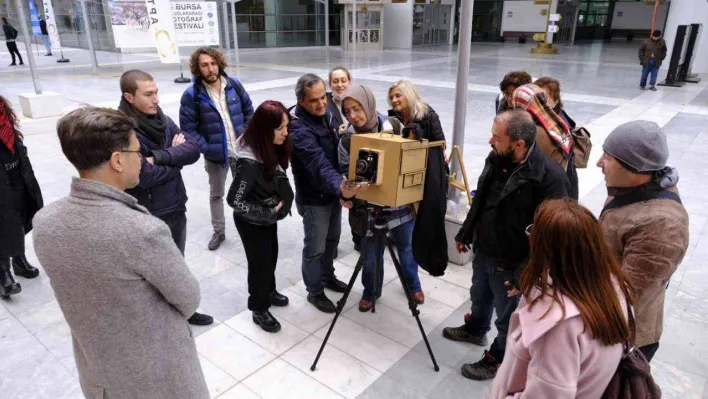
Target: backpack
<point>582,145</point>
<point>632,379</point>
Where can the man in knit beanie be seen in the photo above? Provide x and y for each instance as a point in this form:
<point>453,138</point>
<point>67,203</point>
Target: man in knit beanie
<point>643,220</point>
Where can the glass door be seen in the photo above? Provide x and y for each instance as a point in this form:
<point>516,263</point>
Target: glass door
<point>443,25</point>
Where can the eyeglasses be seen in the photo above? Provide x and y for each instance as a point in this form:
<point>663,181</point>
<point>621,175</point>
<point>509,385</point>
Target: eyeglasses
<point>528,230</point>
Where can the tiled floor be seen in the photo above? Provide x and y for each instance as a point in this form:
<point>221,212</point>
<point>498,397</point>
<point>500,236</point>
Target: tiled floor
<point>369,355</point>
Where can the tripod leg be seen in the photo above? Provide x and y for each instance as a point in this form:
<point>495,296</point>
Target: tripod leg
<point>341,303</point>
<point>379,239</point>
<point>411,303</point>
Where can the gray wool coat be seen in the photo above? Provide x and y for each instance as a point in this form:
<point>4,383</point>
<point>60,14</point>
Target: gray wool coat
<point>126,293</point>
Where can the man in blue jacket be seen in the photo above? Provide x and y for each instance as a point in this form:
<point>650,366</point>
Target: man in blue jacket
<point>318,187</point>
<point>214,111</point>
<point>164,150</point>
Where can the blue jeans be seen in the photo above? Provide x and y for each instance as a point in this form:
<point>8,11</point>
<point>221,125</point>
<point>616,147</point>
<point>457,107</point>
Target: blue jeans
<point>651,67</point>
<point>402,237</point>
<point>47,43</point>
<point>488,293</point>
<point>322,225</point>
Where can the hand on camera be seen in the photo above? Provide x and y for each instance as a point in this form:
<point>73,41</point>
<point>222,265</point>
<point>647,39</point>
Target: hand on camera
<point>462,248</point>
<point>178,140</point>
<point>346,204</point>
<point>351,191</point>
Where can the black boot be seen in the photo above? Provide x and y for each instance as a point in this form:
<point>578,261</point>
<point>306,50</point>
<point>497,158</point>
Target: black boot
<point>22,267</point>
<point>266,321</point>
<point>8,286</point>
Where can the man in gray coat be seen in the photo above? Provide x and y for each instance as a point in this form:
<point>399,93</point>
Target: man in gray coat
<point>120,280</point>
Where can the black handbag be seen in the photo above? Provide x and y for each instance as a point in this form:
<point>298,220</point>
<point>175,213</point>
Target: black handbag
<point>632,379</point>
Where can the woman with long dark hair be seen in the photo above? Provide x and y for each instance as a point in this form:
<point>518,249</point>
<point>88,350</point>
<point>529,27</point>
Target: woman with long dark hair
<point>21,198</point>
<point>261,196</point>
<point>566,337</point>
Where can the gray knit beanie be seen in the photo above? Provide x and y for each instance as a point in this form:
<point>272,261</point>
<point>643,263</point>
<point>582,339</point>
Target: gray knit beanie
<point>640,146</point>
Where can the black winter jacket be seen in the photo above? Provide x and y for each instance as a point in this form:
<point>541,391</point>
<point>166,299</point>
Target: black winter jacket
<point>252,196</point>
<point>315,157</point>
<point>12,226</point>
<point>9,31</point>
<point>161,189</point>
<point>537,179</point>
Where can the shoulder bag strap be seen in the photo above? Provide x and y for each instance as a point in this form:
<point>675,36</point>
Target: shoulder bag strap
<point>639,196</point>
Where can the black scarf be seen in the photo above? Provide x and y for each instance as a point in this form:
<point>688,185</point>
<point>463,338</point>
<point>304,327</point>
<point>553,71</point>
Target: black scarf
<point>151,126</point>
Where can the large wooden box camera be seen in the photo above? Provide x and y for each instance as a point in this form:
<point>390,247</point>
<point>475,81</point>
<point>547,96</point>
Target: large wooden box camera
<point>394,166</point>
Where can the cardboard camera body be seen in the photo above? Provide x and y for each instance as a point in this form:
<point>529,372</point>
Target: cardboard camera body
<point>394,166</point>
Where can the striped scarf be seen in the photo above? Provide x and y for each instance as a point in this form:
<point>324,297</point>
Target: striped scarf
<point>7,131</point>
<point>531,98</point>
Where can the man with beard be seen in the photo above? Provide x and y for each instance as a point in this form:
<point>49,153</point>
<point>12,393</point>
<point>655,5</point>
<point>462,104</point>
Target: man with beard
<point>516,179</point>
<point>215,111</point>
<point>164,150</point>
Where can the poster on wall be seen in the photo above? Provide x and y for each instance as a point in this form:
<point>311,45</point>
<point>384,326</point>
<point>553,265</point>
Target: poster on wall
<point>195,23</point>
<point>52,28</point>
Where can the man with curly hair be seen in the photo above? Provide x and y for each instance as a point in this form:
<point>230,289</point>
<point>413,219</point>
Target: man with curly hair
<point>511,81</point>
<point>214,110</point>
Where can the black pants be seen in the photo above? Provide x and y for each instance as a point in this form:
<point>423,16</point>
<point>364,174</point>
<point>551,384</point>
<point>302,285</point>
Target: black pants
<point>12,48</point>
<point>261,245</point>
<point>649,350</point>
<point>177,222</point>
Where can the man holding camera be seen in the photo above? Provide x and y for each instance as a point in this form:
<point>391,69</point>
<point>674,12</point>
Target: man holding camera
<point>516,179</point>
<point>318,188</point>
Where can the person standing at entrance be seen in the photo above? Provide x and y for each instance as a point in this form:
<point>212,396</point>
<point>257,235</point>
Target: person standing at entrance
<point>10,37</point>
<point>651,53</point>
<point>215,111</point>
<point>45,36</point>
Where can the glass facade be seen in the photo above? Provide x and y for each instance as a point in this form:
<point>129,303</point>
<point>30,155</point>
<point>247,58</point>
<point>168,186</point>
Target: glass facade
<point>284,23</point>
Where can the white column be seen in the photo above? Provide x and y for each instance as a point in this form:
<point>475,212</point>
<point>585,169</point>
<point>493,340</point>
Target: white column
<point>686,12</point>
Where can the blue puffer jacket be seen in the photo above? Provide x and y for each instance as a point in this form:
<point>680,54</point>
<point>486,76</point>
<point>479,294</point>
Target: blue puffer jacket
<point>161,189</point>
<point>315,160</point>
<point>199,117</point>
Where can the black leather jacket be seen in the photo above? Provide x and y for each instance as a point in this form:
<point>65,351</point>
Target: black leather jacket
<point>254,198</point>
<point>537,179</point>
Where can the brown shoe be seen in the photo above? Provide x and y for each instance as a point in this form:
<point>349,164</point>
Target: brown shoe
<point>365,306</point>
<point>419,298</point>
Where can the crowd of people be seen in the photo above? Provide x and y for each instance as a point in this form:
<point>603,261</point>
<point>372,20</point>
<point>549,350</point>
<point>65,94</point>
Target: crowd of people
<point>562,281</point>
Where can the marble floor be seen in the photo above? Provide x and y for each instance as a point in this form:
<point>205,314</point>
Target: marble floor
<point>369,355</point>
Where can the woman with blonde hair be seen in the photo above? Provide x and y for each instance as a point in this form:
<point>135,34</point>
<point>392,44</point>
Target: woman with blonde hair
<point>421,122</point>
<point>566,337</point>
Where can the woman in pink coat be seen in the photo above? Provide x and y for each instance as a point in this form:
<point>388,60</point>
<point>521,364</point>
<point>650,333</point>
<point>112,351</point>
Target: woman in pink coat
<point>565,339</point>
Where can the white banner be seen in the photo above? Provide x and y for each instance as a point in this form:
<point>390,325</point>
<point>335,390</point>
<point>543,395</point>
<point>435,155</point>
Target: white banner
<point>52,27</point>
<point>195,23</point>
<point>163,31</point>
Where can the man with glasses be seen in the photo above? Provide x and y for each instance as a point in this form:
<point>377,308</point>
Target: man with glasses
<point>165,151</point>
<point>120,280</point>
<point>516,179</point>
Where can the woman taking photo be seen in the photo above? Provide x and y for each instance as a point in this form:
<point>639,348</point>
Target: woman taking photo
<point>359,107</point>
<point>339,81</point>
<point>21,198</point>
<point>566,337</point>
<point>552,132</point>
<point>261,196</point>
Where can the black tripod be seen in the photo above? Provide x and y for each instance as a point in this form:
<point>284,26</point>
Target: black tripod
<point>379,237</point>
